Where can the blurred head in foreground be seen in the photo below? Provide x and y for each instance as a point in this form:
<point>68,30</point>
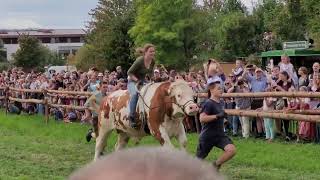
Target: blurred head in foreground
<point>147,163</point>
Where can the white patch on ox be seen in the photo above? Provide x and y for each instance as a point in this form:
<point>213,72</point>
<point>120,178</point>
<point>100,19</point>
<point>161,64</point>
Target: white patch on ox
<point>175,128</point>
<point>147,96</point>
<point>165,136</point>
<point>118,93</point>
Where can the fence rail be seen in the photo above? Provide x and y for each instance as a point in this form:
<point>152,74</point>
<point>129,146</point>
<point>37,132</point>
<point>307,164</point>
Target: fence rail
<point>305,115</point>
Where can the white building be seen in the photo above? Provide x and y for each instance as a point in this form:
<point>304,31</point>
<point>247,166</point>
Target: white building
<point>62,41</point>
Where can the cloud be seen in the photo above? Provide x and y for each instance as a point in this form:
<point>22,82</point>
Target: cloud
<point>45,13</point>
<point>18,23</point>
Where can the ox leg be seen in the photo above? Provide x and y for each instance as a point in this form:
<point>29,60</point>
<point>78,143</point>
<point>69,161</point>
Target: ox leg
<point>101,141</point>
<point>165,137</point>
<point>123,140</point>
<point>182,137</point>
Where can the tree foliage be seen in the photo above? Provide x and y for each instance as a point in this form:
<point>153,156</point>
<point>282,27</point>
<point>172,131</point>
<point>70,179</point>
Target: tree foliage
<point>186,32</point>
<point>172,26</point>
<point>33,55</point>
<point>108,37</point>
<point>82,59</point>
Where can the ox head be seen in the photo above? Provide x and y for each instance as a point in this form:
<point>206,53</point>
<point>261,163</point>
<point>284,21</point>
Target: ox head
<point>183,96</point>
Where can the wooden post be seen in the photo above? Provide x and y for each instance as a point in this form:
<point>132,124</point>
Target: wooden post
<point>46,110</point>
<point>6,99</point>
<point>46,106</point>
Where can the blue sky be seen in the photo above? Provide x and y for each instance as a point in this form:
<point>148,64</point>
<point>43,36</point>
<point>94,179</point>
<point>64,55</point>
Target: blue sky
<point>15,14</point>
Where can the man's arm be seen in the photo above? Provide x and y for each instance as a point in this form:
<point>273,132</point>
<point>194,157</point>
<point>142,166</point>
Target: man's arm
<point>204,118</point>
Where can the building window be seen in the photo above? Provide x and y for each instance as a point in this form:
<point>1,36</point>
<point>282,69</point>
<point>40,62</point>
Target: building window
<point>75,39</point>
<point>10,40</point>
<point>6,41</point>
<point>63,40</point>
<point>45,40</point>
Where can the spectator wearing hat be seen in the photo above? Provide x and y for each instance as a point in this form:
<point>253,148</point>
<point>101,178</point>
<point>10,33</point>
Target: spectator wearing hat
<point>258,83</point>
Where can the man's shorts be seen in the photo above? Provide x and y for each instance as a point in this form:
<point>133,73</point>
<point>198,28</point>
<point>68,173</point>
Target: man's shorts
<point>205,145</point>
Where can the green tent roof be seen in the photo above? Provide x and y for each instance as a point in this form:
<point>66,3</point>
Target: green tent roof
<point>290,52</point>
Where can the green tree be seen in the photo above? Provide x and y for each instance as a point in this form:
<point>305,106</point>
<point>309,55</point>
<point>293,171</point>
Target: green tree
<point>312,10</point>
<point>171,26</point>
<point>83,55</point>
<point>233,6</point>
<point>285,18</point>
<point>108,34</point>
<point>29,54</point>
<point>234,35</point>
<point>49,58</point>
<point>33,55</point>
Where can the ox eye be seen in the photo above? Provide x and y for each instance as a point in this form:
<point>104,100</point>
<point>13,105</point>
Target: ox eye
<point>179,96</point>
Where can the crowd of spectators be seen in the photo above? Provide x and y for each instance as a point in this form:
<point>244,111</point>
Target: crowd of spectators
<point>244,78</point>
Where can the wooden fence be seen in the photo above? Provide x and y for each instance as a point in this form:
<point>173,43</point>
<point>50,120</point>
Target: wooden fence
<point>306,115</point>
<point>8,92</point>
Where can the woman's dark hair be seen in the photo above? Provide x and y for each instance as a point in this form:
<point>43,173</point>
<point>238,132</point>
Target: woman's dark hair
<point>212,86</point>
<point>285,74</point>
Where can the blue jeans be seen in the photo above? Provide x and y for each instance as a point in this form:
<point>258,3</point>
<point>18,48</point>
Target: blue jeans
<point>235,124</point>
<point>40,108</point>
<point>133,97</point>
<point>268,126</point>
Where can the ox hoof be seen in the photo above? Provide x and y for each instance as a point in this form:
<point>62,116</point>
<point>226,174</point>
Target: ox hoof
<point>89,136</point>
<point>132,123</point>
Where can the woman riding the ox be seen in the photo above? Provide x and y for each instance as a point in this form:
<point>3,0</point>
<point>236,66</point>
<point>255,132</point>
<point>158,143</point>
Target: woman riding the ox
<point>142,66</point>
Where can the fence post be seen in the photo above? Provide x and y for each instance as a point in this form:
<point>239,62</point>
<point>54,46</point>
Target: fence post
<point>46,106</point>
<point>6,99</point>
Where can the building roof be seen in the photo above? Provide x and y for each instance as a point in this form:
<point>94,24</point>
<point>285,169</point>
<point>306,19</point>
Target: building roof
<point>291,52</point>
<point>6,33</point>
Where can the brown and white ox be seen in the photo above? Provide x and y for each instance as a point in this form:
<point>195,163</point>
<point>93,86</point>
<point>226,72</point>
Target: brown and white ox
<point>161,106</point>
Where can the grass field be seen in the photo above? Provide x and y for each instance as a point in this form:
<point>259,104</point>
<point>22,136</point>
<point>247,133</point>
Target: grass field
<point>30,149</point>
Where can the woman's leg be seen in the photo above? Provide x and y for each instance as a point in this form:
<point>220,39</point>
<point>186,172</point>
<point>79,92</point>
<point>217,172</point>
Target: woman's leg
<point>245,126</point>
<point>286,127</point>
<point>133,101</point>
<point>272,133</point>
<point>267,127</point>
<point>235,125</point>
